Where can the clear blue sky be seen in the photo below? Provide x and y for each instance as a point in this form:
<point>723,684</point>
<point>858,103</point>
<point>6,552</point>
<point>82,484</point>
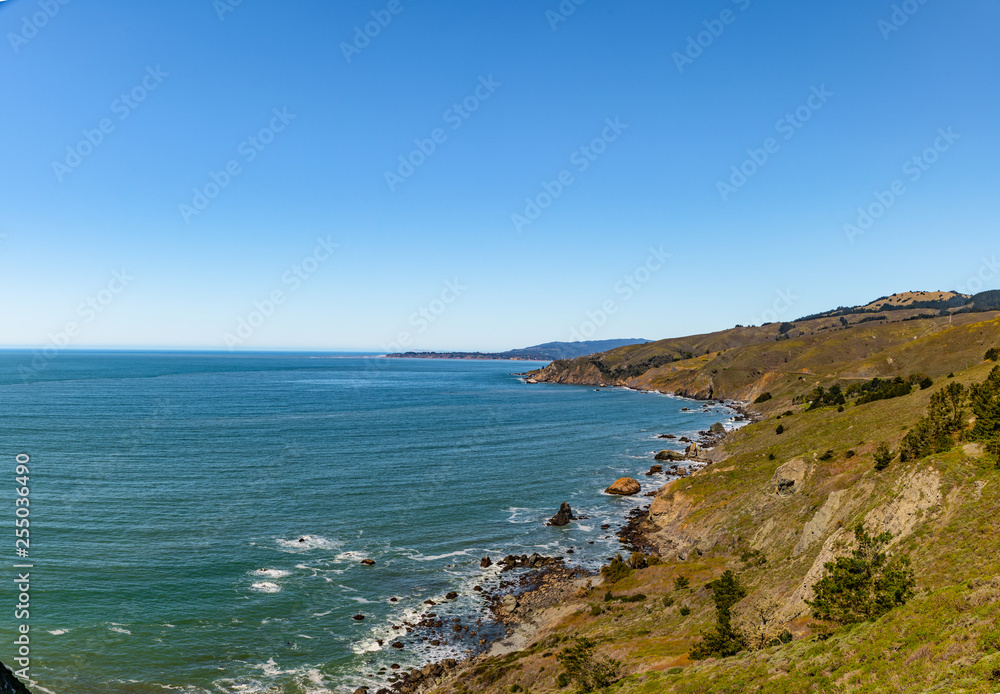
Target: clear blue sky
<point>212,74</point>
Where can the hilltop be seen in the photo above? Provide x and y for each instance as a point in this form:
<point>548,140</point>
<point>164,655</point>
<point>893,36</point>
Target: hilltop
<point>779,500</point>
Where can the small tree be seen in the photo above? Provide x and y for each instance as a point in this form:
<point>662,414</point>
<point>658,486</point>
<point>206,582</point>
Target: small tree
<point>725,639</point>
<point>992,354</point>
<point>585,669</point>
<point>883,456</point>
<point>865,585</point>
<point>757,619</point>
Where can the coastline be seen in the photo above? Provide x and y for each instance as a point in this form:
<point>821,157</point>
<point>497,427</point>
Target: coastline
<point>530,606</point>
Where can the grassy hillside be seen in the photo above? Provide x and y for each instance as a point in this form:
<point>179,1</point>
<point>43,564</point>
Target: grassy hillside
<point>741,514</point>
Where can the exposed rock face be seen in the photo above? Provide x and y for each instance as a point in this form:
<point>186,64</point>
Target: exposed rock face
<point>916,495</point>
<point>654,470</point>
<point>820,522</point>
<point>669,455</point>
<point>693,451</point>
<point>485,563</point>
<point>789,477</point>
<point>368,562</point>
<point>10,684</point>
<point>624,486</point>
<point>564,516</point>
<point>718,428</point>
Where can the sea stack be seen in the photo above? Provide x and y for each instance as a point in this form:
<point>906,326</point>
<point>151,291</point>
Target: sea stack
<point>564,516</point>
<point>624,486</point>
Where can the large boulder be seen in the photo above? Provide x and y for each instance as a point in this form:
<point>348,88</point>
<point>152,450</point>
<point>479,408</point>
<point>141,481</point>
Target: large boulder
<point>669,455</point>
<point>564,516</point>
<point>693,451</point>
<point>624,486</point>
<point>788,478</point>
<point>10,684</point>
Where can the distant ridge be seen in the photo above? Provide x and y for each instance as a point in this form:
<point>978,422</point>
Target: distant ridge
<point>549,351</point>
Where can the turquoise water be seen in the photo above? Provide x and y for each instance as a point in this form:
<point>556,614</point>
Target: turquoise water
<point>170,492</point>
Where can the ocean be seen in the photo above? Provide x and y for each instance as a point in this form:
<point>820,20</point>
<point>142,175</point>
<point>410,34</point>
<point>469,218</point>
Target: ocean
<point>197,520</point>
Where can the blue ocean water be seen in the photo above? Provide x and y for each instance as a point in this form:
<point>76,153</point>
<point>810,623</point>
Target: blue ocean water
<point>198,520</point>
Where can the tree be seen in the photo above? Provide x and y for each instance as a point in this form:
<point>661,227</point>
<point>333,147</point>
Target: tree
<point>985,402</point>
<point>757,619</point>
<point>585,669</point>
<point>883,456</point>
<point>933,433</point>
<point>865,585</point>
<point>724,640</point>
<point>992,354</point>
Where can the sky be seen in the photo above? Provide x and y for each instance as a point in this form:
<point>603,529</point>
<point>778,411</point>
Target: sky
<point>406,174</point>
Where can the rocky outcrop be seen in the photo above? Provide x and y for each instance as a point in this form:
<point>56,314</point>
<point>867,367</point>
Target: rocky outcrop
<point>654,470</point>
<point>564,516</point>
<point>624,486</point>
<point>819,523</point>
<point>788,478</point>
<point>669,455</point>
<point>10,684</point>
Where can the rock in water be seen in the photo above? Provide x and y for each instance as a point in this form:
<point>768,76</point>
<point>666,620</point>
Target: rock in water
<point>624,486</point>
<point>368,562</point>
<point>668,455</point>
<point>486,563</point>
<point>10,684</point>
<point>564,516</point>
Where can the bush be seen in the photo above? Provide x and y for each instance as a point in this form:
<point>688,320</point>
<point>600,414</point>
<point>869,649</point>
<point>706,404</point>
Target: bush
<point>616,571</point>
<point>850,454</point>
<point>724,640</point>
<point>685,611</point>
<point>763,397</point>
<point>863,586</point>
<point>675,670</point>
<point>562,681</point>
<point>827,456</point>
<point>992,354</point>
<point>933,433</point>
<point>879,389</point>
<point>780,430</point>
<point>668,601</point>
<point>883,456</point>
<point>926,383</point>
<point>596,610</point>
<point>770,456</point>
<point>681,582</point>
<point>585,669</point>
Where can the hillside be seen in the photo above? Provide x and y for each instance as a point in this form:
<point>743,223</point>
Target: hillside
<point>776,505</point>
<point>548,351</point>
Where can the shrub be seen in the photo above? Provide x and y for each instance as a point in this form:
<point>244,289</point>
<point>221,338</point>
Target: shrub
<point>616,571</point>
<point>596,610</point>
<point>822,397</point>
<point>883,456</point>
<point>668,601</point>
<point>827,456</point>
<point>780,430</point>
<point>758,619</point>
<point>585,669</point>
<point>770,456</point>
<point>681,582</point>
<point>850,454</point>
<point>724,640</point>
<point>763,397</point>
<point>879,389</point>
<point>933,433</point>
<point>865,585</point>
<point>562,681</point>
<point>926,383</point>
<point>685,611</point>
<point>675,670</point>
<point>992,354</point>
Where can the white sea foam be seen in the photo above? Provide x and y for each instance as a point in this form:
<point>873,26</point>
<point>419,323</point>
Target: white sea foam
<point>59,632</point>
<point>265,587</point>
<point>306,543</point>
<point>271,573</point>
<point>420,557</point>
<point>119,630</point>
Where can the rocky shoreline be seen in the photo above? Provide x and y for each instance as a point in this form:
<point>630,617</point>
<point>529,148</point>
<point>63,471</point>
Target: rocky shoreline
<point>520,602</point>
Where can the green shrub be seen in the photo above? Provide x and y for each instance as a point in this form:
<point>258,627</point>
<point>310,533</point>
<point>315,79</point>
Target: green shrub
<point>596,610</point>
<point>850,454</point>
<point>780,430</point>
<point>865,585</point>
<point>992,354</point>
<point>763,397</point>
<point>879,389</point>
<point>562,681</point>
<point>586,670</point>
<point>616,571</point>
<point>770,456</point>
<point>514,688</point>
<point>668,601</point>
<point>675,670</point>
<point>685,611</point>
<point>681,582</point>
<point>883,456</point>
<point>724,640</point>
<point>827,456</point>
<point>933,433</point>
<point>926,383</point>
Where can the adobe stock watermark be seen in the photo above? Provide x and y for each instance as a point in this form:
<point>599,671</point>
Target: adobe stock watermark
<point>425,316</point>
<point>122,107</point>
<point>292,280</point>
<point>624,289</point>
<point>370,30</point>
<point>787,127</point>
<point>31,25</point>
<point>703,40</point>
<point>901,14</point>
<point>249,149</point>
<point>455,117</point>
<point>565,10</point>
<point>224,7</point>
<point>913,170</point>
<point>782,304</point>
<point>580,160</point>
<point>979,281</point>
<point>87,311</point>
